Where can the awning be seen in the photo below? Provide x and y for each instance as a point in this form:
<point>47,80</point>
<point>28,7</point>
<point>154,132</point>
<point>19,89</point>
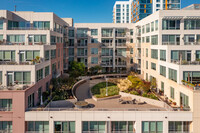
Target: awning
<point>173,17</point>
<point>192,17</point>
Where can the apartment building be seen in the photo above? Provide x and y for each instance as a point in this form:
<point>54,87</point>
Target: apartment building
<point>121,12</point>
<point>106,44</point>
<point>140,9</point>
<point>170,54</point>
<point>31,53</point>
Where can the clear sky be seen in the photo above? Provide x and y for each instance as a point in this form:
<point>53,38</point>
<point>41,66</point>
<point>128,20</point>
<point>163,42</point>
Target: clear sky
<point>82,11</point>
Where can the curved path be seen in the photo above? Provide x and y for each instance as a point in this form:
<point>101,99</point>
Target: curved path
<point>83,91</point>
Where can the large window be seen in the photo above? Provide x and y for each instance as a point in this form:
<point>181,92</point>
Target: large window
<point>47,71</point>
<point>82,51</point>
<point>37,126</point>
<point>6,126</point>
<point>37,39</point>
<point>153,66</point>
<point>5,104</point>
<point>147,28</point>
<point>189,39</point>
<point>180,55</point>
<point>171,24</point>
<point>29,55</point>
<point>15,25</point>
<point>184,100</point>
<point>190,24</point>
<point>1,24</point>
<point>170,39</point>
<point>154,40</point>
<point>152,127</point>
<point>41,25</point>
<point>18,39</point>
<point>71,51</point>
<point>107,32</point>
<point>1,38</point>
<point>152,26</point>
<point>94,50</point>
<point>94,32</point>
<point>163,71</point>
<point>94,60</point>
<point>122,126</point>
<point>173,74</point>
<point>71,33</point>
<point>192,77</point>
<point>163,55</point>
<point>53,54</point>
<point>64,127</point>
<point>46,55</point>
<point>179,127</point>
<point>7,55</point>
<point>154,53</point>
<point>156,25</point>
<point>82,32</point>
<point>22,77</point>
<point>172,92</point>
<point>94,126</point>
<point>39,74</point>
<point>147,39</point>
<point>197,55</point>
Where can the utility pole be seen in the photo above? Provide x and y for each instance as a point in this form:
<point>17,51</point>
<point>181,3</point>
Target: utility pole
<point>15,8</point>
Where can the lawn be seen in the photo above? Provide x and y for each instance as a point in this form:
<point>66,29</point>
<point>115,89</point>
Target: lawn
<point>99,90</point>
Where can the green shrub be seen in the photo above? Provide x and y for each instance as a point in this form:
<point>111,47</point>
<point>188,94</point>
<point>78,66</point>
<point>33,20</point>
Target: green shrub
<point>134,93</point>
<point>145,95</point>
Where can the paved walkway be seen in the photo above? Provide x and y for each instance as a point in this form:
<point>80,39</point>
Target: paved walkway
<point>83,91</point>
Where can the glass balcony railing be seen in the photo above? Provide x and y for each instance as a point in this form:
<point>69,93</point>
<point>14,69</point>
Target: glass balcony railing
<point>184,62</point>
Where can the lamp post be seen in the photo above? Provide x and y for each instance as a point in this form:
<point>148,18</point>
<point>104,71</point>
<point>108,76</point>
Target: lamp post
<point>106,85</point>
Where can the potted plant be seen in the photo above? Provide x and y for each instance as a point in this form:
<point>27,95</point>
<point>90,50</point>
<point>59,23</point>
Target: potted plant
<point>174,103</point>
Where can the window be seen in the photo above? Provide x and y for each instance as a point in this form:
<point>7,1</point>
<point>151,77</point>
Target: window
<point>5,104</point>
<point>46,55</point>
<point>184,99</point>
<point>6,126</point>
<point>82,32</point>
<point>143,29</point>
<point>29,56</point>
<point>71,33</point>
<point>147,28</point>
<point>131,50</point>
<point>39,74</point>
<point>18,39</point>
<point>122,126</point>
<point>179,126</point>
<point>93,126</point>
<point>31,102</point>
<point>7,55</point>
<point>147,39</point>
<point>170,39</point>
<point>94,32</point>
<point>37,126</point>
<point>154,40</point>
<point>94,60</point>
<point>131,31</point>
<point>157,5</point>
<point>1,24</point>
<point>1,38</point>
<point>53,54</point>
<point>190,24</point>
<point>131,40</point>
<point>156,25</point>
<point>41,25</point>
<point>131,62</point>
<point>152,26</point>
<point>47,71</point>
<point>162,86</point>
<point>107,32</point>
<point>173,74</point>
<point>41,39</point>
<point>192,76</point>
<point>189,39</point>
<point>147,77</point>
<point>172,92</point>
<point>163,71</point>
<point>171,24</point>
<point>152,127</point>
<point>94,50</point>
<point>71,51</point>
<point>1,77</point>
<point>53,40</point>
<point>153,66</point>
<point>71,42</point>
<point>147,65</point>
<point>94,40</point>
<point>154,54</point>
<point>147,52</point>
<point>64,127</point>
<point>163,55</point>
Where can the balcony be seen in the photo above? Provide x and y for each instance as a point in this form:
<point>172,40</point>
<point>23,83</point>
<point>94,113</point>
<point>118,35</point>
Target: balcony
<point>185,62</point>
<point>120,44</point>
<point>106,54</point>
<point>107,64</point>
<point>27,28</point>
<point>82,44</point>
<point>192,43</point>
<point>120,35</point>
<point>22,63</point>
<point>171,43</point>
<point>82,35</point>
<point>190,85</point>
<point>121,63</point>
<point>106,45</point>
<point>23,43</point>
<point>17,86</point>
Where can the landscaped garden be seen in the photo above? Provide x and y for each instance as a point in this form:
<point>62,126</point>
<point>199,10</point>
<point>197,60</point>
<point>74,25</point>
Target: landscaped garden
<point>99,90</point>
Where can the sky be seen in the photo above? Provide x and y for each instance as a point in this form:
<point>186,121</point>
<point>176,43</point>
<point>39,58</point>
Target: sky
<point>82,11</point>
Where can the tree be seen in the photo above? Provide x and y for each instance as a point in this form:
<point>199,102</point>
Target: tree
<point>95,69</point>
<point>77,69</point>
<point>153,83</point>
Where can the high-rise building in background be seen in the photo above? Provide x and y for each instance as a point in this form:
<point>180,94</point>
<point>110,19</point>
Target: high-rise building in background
<point>140,9</point>
<point>121,12</point>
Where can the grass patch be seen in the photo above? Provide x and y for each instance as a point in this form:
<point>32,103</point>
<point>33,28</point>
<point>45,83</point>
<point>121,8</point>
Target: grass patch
<point>99,90</point>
